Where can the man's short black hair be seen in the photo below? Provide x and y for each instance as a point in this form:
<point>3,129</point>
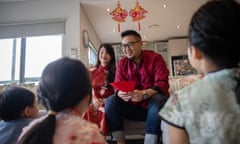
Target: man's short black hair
<point>131,32</point>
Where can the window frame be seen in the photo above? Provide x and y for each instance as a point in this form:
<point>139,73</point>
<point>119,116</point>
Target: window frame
<point>92,50</point>
<point>22,62</point>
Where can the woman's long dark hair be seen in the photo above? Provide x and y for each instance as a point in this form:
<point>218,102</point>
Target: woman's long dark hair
<point>64,83</point>
<point>214,30</point>
<point>112,64</point>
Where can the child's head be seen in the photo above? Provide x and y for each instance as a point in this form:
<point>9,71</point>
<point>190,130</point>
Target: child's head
<point>16,103</point>
<point>214,30</point>
<point>64,83</point>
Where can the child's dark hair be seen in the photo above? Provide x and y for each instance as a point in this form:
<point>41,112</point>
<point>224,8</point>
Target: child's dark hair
<point>214,29</point>
<point>64,83</point>
<point>13,101</point>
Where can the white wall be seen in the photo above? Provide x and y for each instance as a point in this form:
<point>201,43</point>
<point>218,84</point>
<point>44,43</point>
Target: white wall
<point>176,47</point>
<point>86,25</point>
<point>40,10</point>
<point>17,12</point>
<point>76,21</point>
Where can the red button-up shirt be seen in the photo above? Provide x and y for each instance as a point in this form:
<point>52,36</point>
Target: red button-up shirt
<point>152,71</point>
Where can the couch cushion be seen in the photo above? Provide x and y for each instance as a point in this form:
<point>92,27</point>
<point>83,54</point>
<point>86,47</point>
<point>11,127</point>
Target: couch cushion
<point>178,82</point>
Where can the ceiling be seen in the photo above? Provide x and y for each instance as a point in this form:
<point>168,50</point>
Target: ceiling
<point>160,23</point>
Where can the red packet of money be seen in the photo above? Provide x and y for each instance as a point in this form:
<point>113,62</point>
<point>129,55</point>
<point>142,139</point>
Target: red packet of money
<point>124,86</point>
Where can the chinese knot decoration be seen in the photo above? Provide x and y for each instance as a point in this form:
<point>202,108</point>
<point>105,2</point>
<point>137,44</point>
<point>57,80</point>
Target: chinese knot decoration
<point>119,15</point>
<point>137,14</point>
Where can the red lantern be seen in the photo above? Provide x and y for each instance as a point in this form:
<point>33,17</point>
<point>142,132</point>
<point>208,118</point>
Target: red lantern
<point>119,15</point>
<point>137,14</point>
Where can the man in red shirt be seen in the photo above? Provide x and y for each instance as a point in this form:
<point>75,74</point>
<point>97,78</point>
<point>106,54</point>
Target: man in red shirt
<point>149,71</point>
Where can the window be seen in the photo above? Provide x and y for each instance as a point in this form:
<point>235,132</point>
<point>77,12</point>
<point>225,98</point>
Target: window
<point>92,55</point>
<point>23,59</point>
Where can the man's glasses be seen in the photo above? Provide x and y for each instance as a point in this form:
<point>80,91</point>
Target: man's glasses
<point>129,44</point>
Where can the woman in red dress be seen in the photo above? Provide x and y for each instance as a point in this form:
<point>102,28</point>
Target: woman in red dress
<point>103,74</point>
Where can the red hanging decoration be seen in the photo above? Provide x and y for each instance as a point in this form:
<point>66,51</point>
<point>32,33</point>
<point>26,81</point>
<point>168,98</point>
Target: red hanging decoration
<point>119,14</point>
<point>137,14</point>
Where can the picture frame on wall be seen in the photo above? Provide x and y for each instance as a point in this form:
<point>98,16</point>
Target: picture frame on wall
<point>160,47</point>
<point>118,51</point>
<point>181,66</point>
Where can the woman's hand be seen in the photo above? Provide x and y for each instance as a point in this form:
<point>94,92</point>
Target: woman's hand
<point>98,102</point>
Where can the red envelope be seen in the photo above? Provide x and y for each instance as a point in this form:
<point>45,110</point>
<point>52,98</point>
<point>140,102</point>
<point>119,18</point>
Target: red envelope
<point>125,86</point>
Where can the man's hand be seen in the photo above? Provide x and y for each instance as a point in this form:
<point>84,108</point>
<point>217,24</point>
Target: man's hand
<point>126,96</point>
<point>137,95</point>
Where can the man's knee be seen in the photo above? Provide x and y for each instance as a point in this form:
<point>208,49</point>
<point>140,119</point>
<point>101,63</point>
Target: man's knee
<point>110,103</point>
<point>158,100</point>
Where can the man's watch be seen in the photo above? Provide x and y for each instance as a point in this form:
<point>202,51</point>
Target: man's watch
<point>145,95</point>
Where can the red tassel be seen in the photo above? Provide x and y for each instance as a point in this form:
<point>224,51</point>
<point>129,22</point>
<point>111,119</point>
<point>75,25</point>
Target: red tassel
<point>139,26</point>
<point>118,27</point>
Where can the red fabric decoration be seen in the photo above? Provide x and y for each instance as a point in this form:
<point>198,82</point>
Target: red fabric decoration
<point>125,86</point>
<point>119,15</point>
<point>98,117</point>
<point>137,14</point>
